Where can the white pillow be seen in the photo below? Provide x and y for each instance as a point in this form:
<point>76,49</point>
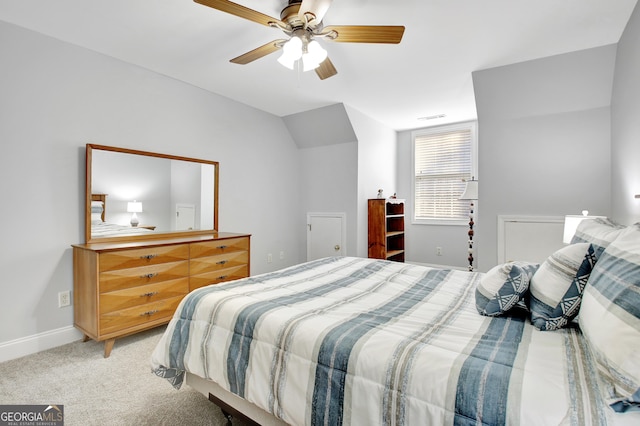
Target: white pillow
<point>557,286</point>
<point>599,232</point>
<point>610,319</point>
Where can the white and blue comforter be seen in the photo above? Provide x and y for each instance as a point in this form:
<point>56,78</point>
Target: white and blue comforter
<point>363,342</point>
<point>101,229</point>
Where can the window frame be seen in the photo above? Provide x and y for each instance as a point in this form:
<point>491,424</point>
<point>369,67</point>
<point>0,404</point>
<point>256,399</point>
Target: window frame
<point>472,126</point>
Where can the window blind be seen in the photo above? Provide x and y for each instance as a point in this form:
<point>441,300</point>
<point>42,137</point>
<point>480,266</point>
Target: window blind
<point>443,161</point>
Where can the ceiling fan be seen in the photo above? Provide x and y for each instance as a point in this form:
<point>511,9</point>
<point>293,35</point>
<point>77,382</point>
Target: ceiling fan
<point>301,21</point>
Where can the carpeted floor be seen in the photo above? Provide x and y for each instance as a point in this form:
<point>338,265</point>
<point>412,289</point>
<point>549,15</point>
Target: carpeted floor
<point>119,390</point>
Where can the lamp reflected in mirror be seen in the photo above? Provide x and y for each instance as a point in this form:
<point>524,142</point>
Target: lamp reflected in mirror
<point>134,207</point>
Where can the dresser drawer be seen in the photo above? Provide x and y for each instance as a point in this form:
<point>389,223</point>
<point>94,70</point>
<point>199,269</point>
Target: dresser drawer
<point>136,296</point>
<point>123,259</point>
<point>119,321</point>
<point>212,248</point>
<point>133,277</point>
<point>215,263</point>
<point>219,276</point>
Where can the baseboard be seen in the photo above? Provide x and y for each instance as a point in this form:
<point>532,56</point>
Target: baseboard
<point>38,342</point>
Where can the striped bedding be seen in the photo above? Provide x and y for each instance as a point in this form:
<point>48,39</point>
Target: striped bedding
<point>106,229</point>
<point>352,341</point>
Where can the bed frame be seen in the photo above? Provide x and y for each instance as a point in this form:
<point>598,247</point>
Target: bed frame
<point>231,404</point>
<point>103,199</point>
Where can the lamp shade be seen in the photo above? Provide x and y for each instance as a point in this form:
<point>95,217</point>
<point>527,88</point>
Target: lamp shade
<point>134,207</point>
<point>571,223</point>
<point>470,190</point>
<point>314,56</point>
<point>291,52</point>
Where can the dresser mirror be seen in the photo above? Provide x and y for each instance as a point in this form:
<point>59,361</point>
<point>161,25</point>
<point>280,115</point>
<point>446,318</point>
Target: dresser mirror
<point>132,195</point>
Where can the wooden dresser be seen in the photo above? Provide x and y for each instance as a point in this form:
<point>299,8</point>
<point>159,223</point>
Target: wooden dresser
<point>122,288</point>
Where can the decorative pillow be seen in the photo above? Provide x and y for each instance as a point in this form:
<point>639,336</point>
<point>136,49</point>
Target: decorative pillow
<point>504,287</point>
<point>557,286</point>
<point>610,319</point>
<point>599,231</point>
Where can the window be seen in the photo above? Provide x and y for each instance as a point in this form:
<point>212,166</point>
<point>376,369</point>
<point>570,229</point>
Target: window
<point>444,157</point>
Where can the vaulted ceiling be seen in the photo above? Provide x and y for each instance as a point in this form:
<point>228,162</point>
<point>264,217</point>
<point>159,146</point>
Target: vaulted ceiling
<point>427,74</point>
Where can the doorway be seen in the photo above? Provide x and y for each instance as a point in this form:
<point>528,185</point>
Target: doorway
<point>326,235</point>
<point>185,217</point>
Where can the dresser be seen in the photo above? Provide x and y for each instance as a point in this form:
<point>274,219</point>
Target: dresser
<point>122,288</point>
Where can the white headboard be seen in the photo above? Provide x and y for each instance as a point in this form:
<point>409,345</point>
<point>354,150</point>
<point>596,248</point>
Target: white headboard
<point>530,238</point>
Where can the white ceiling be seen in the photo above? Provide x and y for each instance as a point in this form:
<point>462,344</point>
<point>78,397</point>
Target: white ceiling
<point>428,73</point>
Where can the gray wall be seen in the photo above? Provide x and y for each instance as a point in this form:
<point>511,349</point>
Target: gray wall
<point>625,123</point>
<point>421,240</point>
<point>328,166</point>
<point>57,97</point>
<point>328,176</point>
<point>544,140</point>
<point>376,167</point>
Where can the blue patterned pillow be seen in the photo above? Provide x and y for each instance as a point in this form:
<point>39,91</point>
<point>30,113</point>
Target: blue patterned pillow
<point>557,286</point>
<point>610,319</point>
<point>504,287</point>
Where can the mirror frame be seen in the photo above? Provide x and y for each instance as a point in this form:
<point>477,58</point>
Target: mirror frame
<point>173,234</point>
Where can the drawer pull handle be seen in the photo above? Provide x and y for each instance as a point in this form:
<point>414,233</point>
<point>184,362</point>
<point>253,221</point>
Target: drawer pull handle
<point>149,294</point>
<point>222,247</point>
<point>155,274</point>
<point>222,262</point>
<point>148,256</point>
<point>222,277</point>
<point>149,313</point>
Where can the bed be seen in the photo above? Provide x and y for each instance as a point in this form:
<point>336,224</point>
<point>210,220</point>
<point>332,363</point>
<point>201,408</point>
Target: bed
<point>101,228</point>
<point>355,341</point>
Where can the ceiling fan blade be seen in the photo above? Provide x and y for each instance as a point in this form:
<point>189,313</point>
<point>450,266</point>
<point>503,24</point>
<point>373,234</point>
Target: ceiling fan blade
<point>326,69</point>
<point>317,8</point>
<point>365,33</point>
<point>241,11</point>
<point>259,52</point>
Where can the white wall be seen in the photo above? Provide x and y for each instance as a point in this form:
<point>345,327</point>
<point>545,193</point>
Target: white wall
<point>544,140</point>
<point>377,167</point>
<point>57,97</point>
<point>625,125</point>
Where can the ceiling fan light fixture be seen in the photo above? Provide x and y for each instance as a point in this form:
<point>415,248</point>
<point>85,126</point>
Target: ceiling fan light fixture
<point>308,63</point>
<point>291,52</point>
<point>316,52</point>
<point>311,53</point>
<point>314,56</point>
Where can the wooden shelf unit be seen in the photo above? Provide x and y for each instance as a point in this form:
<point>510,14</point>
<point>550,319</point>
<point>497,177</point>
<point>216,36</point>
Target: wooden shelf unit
<point>386,229</point>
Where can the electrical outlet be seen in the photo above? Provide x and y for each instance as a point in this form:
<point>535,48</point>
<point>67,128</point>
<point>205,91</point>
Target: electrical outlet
<point>269,258</point>
<point>438,251</point>
<point>64,299</point>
